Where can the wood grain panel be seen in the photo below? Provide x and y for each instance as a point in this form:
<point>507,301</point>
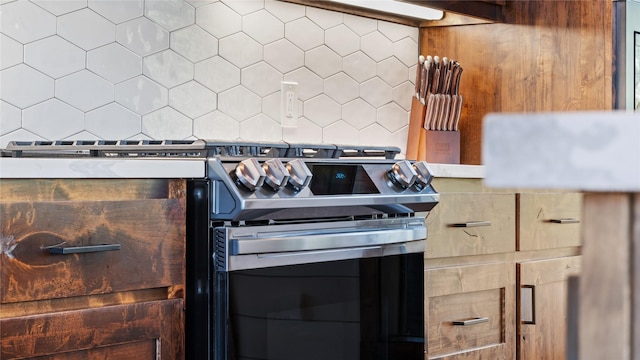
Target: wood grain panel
<point>547,56</point>
<point>151,234</point>
<point>536,215</point>
<point>131,329</point>
<point>546,338</point>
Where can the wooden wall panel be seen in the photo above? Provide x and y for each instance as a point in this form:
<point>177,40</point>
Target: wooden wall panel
<point>547,56</point>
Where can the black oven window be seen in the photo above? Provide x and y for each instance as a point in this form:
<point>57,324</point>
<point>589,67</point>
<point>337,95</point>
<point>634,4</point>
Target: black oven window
<point>368,308</point>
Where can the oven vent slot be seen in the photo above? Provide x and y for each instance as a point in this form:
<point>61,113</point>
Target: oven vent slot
<point>220,251</point>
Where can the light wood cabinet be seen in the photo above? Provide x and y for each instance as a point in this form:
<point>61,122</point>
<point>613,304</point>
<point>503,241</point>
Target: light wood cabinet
<point>92,268</point>
<point>499,261</point>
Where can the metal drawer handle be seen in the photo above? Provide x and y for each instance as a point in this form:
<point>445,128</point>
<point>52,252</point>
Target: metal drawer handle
<point>83,249</point>
<point>472,224</point>
<point>565,221</point>
<point>472,321</point>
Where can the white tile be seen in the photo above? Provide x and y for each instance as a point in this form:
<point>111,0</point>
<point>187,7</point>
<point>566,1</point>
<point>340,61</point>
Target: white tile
<point>359,114</point>
<point>167,68</point>
<point>260,128</point>
<point>341,88</point>
<point>263,27</point>
<point>141,95</point>
<point>84,90</point>
<point>376,92</point>
<point>340,133</point>
<point>323,61</point>
<point>377,135</point>
<point>170,14</point>
<point>361,25</point>
<point>377,46</point>
<point>142,36</point>
<point>218,19</point>
<point>324,18</point>
<point>305,132</point>
<point>396,32</point>
<point>60,7</point>
<point>10,118</point>
<point>304,33</point>
<point>284,56</point>
<point>406,50</point>
<point>113,121</point>
<point>309,84</point>
<point>283,10</point>
<point>192,99</point>
<point>402,95</point>
<point>54,56</point>
<point>322,110</point>
<point>198,3</point>
<point>239,103</point>
<point>167,123</point>
<point>217,74</point>
<point>22,86</point>
<point>393,71</point>
<point>114,62</point>
<point>244,7</point>
<point>12,52</point>
<point>359,66</point>
<point>26,22</point>
<point>271,106</point>
<point>392,117</point>
<point>342,40</point>
<point>82,135</point>
<point>240,50</point>
<point>73,27</point>
<point>261,78</point>
<point>194,43</point>
<point>216,126</point>
<point>53,119</point>
<point>118,11</point>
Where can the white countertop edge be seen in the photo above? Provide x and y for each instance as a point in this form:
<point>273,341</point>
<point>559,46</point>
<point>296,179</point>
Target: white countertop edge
<point>457,171</point>
<point>76,168</point>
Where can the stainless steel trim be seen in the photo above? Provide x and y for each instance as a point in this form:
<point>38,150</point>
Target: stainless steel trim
<point>246,247</point>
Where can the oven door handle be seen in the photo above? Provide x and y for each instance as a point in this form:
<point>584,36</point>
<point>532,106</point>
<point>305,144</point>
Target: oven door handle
<point>324,241</point>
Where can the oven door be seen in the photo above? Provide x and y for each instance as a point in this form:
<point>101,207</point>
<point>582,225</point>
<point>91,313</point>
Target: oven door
<point>340,290</point>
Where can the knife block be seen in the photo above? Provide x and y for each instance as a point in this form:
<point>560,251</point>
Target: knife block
<point>440,147</point>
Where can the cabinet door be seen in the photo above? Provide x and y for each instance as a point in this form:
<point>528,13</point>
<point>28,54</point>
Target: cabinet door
<point>470,312</point>
<point>471,224</point>
<point>147,330</point>
<point>548,221</point>
<point>542,305</point>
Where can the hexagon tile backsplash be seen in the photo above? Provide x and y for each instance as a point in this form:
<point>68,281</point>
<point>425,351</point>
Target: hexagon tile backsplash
<point>177,69</point>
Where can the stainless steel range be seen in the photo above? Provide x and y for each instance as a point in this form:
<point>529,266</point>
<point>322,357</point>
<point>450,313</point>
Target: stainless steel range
<point>295,251</point>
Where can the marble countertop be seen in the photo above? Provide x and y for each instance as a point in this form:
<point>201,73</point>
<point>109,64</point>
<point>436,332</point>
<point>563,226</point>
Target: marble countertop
<point>457,171</point>
<point>22,168</point>
<point>586,151</point>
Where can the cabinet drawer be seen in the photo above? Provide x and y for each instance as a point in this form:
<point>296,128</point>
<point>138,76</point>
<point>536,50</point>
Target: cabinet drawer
<point>470,310</point>
<point>549,221</point>
<point>148,330</point>
<point>149,232</point>
<point>471,224</point>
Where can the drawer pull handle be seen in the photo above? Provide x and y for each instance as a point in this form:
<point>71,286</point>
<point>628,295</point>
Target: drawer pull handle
<point>472,321</point>
<point>565,221</point>
<point>83,249</point>
<point>472,224</point>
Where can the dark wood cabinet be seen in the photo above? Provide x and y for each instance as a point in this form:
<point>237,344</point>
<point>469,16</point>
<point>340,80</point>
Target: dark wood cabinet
<point>92,268</point>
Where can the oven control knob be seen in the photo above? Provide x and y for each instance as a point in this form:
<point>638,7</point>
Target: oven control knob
<point>402,174</point>
<point>300,175</point>
<point>277,174</point>
<point>424,176</point>
<point>250,174</point>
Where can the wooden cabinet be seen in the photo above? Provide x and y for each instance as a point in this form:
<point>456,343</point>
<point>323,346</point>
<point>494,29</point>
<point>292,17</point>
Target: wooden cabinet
<point>497,266</point>
<point>92,268</point>
<point>542,316</point>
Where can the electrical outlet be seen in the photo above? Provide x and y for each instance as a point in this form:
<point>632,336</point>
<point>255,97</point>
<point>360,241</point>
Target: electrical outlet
<point>288,104</point>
